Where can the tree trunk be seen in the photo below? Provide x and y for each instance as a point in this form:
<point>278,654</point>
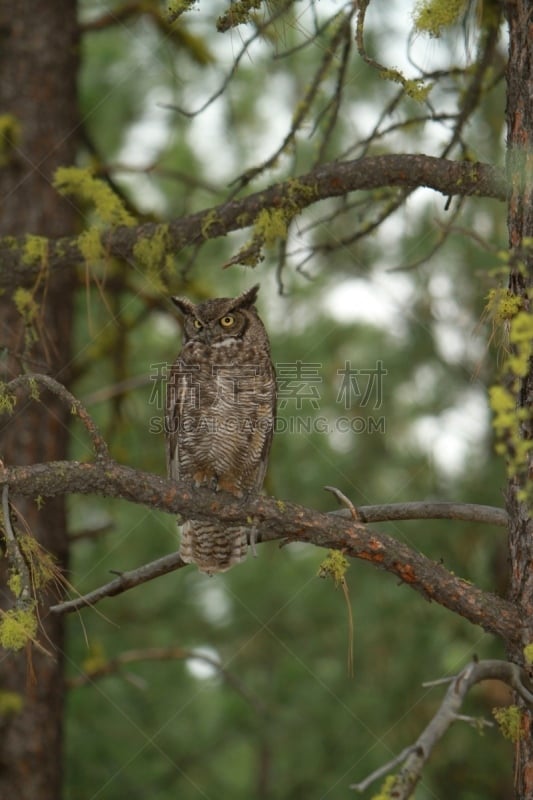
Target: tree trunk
<point>38,65</point>
<point>520,224</point>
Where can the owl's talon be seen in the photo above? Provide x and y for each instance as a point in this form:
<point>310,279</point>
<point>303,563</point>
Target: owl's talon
<point>253,540</point>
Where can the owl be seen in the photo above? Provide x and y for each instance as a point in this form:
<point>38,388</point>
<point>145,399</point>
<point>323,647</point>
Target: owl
<point>220,412</point>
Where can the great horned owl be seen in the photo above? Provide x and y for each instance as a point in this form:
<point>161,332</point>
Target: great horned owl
<point>221,405</point>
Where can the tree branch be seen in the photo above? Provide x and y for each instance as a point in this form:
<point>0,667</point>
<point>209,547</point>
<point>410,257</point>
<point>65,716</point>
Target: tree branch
<point>416,756</point>
<point>275,519</point>
<point>469,512</point>
<point>333,179</point>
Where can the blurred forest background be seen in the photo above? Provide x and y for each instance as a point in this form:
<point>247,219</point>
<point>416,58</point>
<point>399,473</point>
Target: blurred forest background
<point>237,685</point>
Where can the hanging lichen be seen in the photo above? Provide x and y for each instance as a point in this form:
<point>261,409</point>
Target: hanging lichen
<point>91,191</point>
<point>433,16</point>
<point>17,627</point>
<point>509,721</point>
<point>335,566</point>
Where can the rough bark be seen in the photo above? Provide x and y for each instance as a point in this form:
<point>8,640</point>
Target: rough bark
<point>336,179</point>
<point>520,224</point>
<point>38,62</point>
<point>274,519</point>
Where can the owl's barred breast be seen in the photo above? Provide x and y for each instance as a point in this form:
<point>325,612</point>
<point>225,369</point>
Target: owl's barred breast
<point>227,417</point>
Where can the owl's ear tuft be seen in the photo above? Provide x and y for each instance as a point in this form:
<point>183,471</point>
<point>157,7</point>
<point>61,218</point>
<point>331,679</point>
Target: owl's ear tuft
<point>183,305</point>
<point>247,298</point>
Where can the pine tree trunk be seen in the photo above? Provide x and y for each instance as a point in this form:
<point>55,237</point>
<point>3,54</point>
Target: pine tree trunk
<point>38,65</point>
<point>520,224</point>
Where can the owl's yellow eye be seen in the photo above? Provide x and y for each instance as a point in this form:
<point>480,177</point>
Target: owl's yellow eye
<point>197,324</point>
<point>227,321</point>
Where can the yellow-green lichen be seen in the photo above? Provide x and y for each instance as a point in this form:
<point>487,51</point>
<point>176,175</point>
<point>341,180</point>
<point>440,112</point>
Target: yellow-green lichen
<point>509,721</point>
<point>90,245</point>
<point>14,583</point>
<point>82,184</point>
<point>34,389</point>
<point>334,566</point>
<point>25,304</point>
<point>10,703</point>
<point>415,88</point>
<point>271,225</point>
<point>7,401</point>
<point>386,788</point>
<point>152,253</point>
<point>96,659</point>
<point>239,14</point>
<point>35,250</point>
<point>10,131</point>
<point>17,627</point>
<point>433,16</point>
<point>175,8</point>
<point>528,653</point>
<point>41,564</point>
<point>503,305</point>
<point>210,218</point>
<point>521,337</point>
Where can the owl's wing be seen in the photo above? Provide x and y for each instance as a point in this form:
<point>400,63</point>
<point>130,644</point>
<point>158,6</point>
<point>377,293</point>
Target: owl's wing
<point>176,387</point>
<point>269,420</point>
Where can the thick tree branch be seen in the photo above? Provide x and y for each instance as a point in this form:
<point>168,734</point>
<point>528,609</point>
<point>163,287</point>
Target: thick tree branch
<point>334,179</point>
<point>416,756</point>
<point>275,519</point>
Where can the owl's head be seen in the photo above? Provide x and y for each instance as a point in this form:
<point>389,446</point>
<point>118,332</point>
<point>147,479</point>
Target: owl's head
<point>219,321</point>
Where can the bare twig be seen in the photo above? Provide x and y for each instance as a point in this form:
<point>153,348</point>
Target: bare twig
<point>354,513</point>
<point>14,555</point>
<point>416,756</point>
<point>124,581</point>
<point>469,512</point>
<point>77,408</point>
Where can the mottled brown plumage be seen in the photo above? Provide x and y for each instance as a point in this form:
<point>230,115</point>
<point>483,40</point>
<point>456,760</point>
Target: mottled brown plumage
<point>221,399</point>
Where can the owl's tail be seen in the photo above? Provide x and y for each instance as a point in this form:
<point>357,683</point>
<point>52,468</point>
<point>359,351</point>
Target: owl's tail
<point>211,547</point>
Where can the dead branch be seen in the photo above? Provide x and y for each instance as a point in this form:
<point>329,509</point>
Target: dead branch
<point>28,382</point>
<point>415,757</point>
<point>469,512</point>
